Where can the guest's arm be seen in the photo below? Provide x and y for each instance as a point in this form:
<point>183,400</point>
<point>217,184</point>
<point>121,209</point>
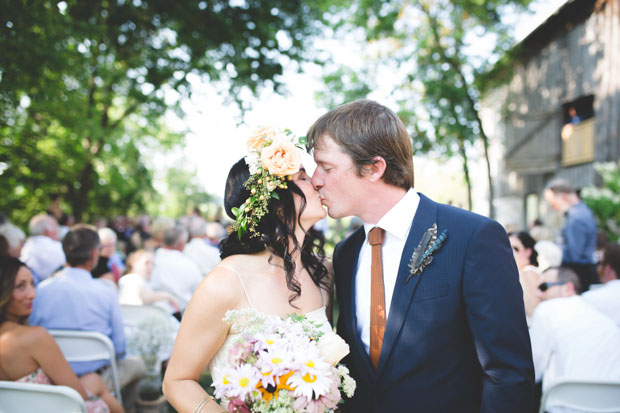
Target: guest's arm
<point>149,296</point>
<point>529,283</point>
<point>42,347</point>
<point>201,334</point>
<point>496,317</point>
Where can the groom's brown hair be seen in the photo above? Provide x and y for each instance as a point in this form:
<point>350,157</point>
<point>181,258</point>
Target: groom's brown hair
<point>365,129</point>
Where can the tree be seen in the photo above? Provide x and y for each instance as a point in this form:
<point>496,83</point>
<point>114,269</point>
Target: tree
<point>429,45</point>
<point>604,201</point>
<point>84,86</point>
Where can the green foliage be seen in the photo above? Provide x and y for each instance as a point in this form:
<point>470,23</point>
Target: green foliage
<point>604,201</point>
<point>84,86</point>
<point>431,42</point>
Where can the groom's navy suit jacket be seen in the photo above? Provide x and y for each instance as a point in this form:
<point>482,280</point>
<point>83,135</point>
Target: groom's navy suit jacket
<point>456,338</point>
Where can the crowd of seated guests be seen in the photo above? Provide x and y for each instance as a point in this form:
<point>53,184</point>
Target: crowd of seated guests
<point>574,332</point>
<point>77,280</point>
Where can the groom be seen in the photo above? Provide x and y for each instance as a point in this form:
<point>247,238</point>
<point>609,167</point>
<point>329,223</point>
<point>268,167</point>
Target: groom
<point>444,333</point>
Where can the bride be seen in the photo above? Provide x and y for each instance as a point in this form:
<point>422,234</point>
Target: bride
<point>272,262</point>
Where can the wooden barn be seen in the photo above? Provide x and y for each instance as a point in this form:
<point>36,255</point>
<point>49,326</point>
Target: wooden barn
<point>556,110</point>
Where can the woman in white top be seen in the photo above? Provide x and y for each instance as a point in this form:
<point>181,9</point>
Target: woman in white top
<point>134,286</point>
<point>529,275</point>
<point>275,267</point>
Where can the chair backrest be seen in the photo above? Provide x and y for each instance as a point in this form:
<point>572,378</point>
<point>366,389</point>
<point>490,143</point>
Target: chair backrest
<point>88,346</point>
<point>586,395</point>
<point>135,314</point>
<point>29,397</point>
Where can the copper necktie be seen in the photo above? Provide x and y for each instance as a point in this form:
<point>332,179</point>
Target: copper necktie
<point>376,236</point>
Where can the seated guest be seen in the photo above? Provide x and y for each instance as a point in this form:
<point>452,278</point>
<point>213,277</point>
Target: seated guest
<point>15,238</point>
<point>135,288</point>
<point>215,233</point>
<point>42,252</point>
<point>529,277</point>
<point>198,249</point>
<point>606,298</point>
<point>110,265</point>
<point>73,300</point>
<point>30,354</point>
<point>570,339</point>
<point>173,271</point>
<point>549,254</point>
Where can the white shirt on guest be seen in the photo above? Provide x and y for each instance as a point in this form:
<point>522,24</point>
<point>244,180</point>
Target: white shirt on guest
<point>203,254</point>
<point>396,223</point>
<point>570,339</point>
<point>43,256</point>
<point>606,299</point>
<point>175,273</point>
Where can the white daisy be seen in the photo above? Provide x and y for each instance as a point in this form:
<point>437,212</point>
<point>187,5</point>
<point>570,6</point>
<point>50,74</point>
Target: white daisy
<point>243,381</point>
<point>311,386</point>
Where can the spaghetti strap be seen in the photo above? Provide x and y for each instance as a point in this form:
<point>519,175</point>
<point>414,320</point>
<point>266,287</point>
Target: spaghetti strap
<point>247,296</point>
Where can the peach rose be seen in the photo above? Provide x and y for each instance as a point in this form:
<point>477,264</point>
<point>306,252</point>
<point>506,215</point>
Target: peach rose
<point>281,158</point>
<point>260,137</point>
<point>333,348</point>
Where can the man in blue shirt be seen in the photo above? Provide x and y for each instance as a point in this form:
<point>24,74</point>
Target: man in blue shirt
<point>73,300</point>
<point>578,233</point>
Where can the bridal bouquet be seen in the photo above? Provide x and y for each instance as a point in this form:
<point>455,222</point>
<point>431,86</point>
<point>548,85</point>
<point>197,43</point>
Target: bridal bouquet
<point>282,365</point>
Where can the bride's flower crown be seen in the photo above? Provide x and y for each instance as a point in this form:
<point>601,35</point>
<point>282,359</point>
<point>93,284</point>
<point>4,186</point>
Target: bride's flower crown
<point>273,156</point>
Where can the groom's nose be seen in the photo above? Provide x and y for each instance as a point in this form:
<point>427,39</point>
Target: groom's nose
<point>317,181</point>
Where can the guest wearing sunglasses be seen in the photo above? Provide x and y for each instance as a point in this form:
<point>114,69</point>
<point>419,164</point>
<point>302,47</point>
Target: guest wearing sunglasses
<point>583,342</point>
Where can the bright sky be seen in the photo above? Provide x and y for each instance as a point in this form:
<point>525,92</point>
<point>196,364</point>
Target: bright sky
<point>216,141</point>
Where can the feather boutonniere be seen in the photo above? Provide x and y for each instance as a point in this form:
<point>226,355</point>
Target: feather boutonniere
<point>423,253</point>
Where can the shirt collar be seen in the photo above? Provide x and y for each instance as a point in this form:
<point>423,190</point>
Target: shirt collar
<point>78,273</point>
<point>397,220</point>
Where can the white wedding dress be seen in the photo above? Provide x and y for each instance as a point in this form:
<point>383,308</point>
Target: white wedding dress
<point>319,316</point>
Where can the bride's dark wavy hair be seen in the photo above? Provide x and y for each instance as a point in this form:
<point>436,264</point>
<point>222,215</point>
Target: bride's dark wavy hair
<point>277,232</point>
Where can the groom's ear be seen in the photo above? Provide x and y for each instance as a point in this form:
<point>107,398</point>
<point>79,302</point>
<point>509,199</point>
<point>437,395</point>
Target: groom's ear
<point>375,170</point>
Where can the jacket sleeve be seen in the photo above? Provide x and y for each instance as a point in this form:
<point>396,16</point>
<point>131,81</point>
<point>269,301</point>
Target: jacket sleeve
<point>496,316</point>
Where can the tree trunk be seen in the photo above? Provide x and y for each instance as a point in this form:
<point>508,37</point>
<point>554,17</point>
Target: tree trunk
<point>466,171</point>
<point>79,202</point>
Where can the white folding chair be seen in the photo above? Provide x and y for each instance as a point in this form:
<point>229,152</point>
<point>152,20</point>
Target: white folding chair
<point>79,346</point>
<point>30,397</point>
<point>586,395</point>
<point>135,314</point>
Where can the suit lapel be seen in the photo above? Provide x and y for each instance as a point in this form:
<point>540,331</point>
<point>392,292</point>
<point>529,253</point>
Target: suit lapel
<point>424,218</point>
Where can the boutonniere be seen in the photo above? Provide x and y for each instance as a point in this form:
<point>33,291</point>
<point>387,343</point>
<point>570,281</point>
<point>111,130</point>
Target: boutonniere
<point>423,253</point>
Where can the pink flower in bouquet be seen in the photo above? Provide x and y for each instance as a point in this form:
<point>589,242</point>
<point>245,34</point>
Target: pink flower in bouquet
<point>239,353</point>
<point>237,406</point>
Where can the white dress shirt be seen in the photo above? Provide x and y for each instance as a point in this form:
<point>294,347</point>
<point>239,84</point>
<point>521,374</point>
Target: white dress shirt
<point>396,223</point>
<point>570,339</point>
<point>606,299</point>
<point>175,273</point>
<point>203,254</point>
<point>43,256</point>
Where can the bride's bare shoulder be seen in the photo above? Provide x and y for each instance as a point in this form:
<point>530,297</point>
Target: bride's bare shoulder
<point>224,278</point>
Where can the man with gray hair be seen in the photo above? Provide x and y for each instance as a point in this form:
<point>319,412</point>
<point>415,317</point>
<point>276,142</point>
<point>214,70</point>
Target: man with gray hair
<point>15,238</point>
<point>42,252</point>
<point>198,249</point>
<point>578,233</point>
<point>173,271</point>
